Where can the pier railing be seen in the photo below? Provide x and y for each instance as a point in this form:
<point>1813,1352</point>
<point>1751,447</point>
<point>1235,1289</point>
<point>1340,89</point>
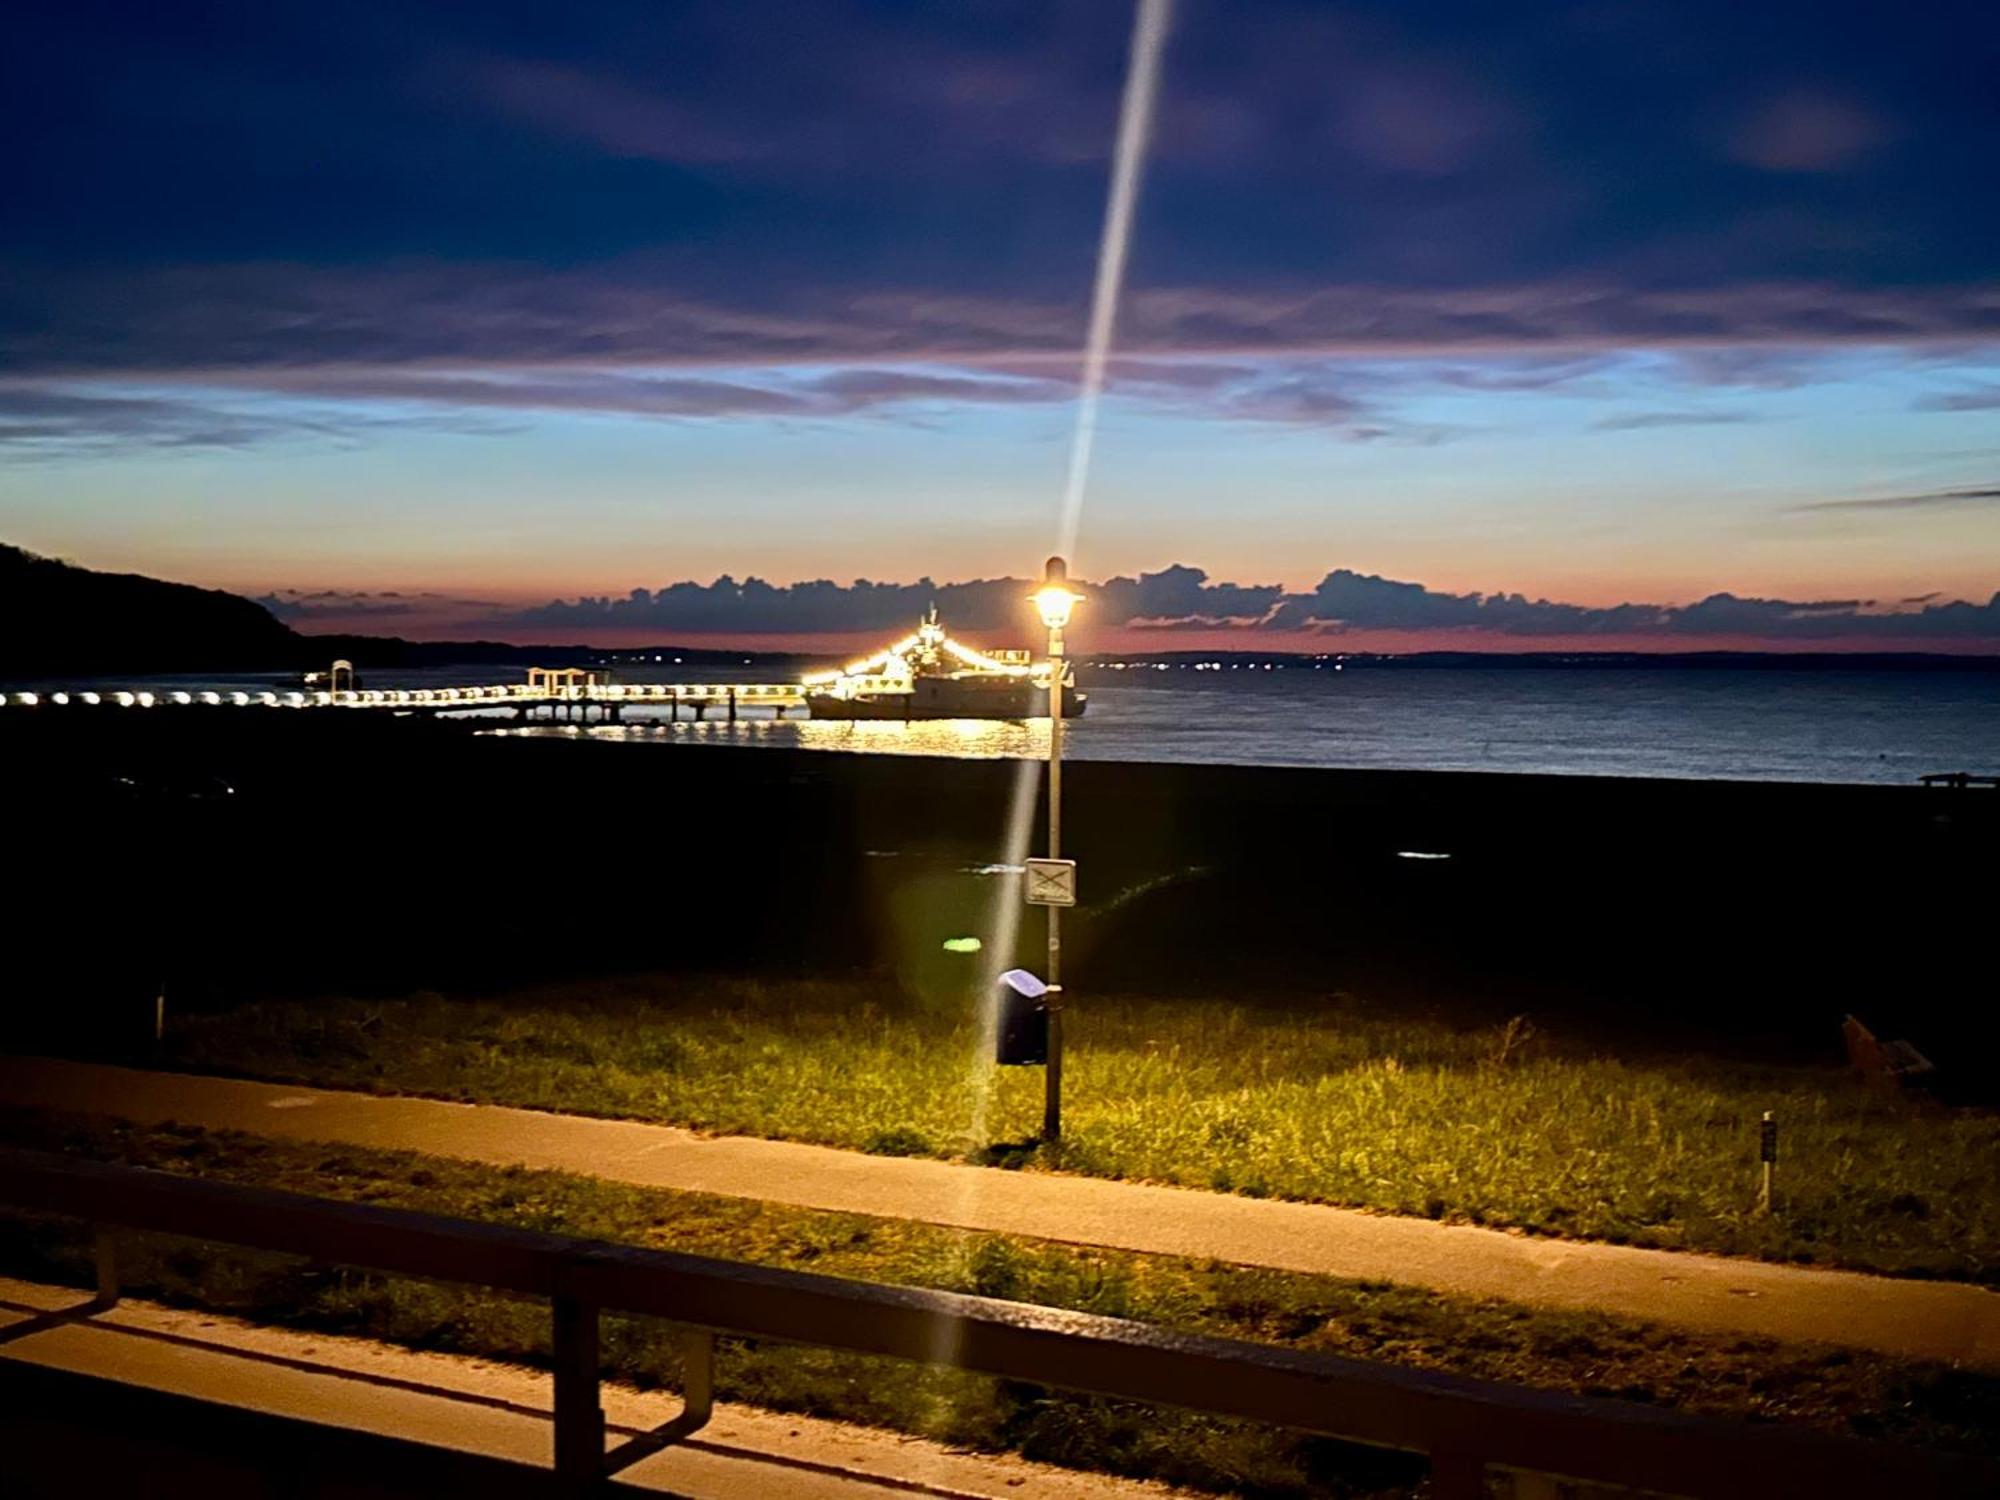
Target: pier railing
<point>775,695</point>
<point>1467,1428</point>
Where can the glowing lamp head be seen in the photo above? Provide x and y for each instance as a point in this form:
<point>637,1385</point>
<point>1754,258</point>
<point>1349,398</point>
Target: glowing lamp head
<point>1055,598</point>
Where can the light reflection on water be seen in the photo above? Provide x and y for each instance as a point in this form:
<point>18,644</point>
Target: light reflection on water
<point>1851,725</point>
<point>962,739</point>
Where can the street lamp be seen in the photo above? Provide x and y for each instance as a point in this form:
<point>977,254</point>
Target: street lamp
<point>1053,602</point>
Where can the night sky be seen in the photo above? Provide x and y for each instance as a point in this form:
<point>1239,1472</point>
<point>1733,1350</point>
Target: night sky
<point>475,319</point>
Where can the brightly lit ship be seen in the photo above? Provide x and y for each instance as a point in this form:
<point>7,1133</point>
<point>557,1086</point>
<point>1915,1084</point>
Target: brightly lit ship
<point>928,675</point>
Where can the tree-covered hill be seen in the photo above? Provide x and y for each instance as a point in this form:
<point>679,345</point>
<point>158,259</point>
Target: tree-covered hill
<point>57,618</point>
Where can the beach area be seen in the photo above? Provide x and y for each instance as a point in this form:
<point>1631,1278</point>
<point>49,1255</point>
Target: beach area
<point>230,857</point>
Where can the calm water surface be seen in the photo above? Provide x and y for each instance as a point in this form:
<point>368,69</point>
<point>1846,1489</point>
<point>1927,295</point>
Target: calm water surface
<point>1868,726</point>
<point>1871,725</point>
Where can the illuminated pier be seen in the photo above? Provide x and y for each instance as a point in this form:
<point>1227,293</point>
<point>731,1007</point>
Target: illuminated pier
<point>606,699</point>
<point>887,683</point>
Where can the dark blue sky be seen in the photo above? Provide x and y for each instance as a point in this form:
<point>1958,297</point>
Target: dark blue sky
<point>782,154</point>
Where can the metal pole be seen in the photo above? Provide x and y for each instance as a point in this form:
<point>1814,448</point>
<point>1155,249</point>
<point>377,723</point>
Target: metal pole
<point>579,1416</point>
<point>1052,1100</point>
<point>107,1269</point>
<point>1460,1476</point>
<point>1767,1152</point>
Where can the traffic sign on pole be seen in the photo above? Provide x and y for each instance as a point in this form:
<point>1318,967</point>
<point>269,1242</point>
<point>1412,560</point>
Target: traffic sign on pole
<point>1051,882</point>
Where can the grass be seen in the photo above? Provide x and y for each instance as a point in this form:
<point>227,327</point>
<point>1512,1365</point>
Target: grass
<point>1828,1389</point>
<point>1330,1102</point>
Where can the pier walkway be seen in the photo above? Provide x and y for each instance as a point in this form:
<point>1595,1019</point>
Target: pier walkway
<point>1912,1319</point>
<point>574,693</point>
<point>608,700</point>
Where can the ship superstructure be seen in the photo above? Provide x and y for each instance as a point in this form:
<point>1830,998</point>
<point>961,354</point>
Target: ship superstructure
<point>928,675</point>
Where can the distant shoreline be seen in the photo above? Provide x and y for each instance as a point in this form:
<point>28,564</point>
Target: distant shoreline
<point>433,656</point>
<point>1919,661</point>
<point>489,653</point>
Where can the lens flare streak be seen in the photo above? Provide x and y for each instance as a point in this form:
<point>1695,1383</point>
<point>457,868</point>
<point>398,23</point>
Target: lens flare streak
<point>1135,128</point>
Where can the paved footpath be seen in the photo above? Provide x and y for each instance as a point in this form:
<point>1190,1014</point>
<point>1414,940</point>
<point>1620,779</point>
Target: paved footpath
<point>503,1411</point>
<point>1918,1319</point>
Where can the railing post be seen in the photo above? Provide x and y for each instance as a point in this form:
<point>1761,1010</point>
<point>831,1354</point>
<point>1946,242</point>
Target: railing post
<point>579,1418</point>
<point>697,1403</point>
<point>1533,1486</point>
<point>697,1378</point>
<point>1458,1476</point>
<point>106,1255</point>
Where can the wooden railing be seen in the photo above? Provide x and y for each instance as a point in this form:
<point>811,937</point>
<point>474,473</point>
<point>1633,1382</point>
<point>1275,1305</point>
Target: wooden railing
<point>1464,1426</point>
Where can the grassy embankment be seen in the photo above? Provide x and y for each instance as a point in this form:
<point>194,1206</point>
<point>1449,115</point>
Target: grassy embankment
<point>1329,1102</point>
<point>1829,1389</point>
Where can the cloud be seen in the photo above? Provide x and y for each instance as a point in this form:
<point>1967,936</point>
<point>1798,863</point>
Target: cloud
<point>59,418</point>
<point>1313,398</point>
<point>320,605</point>
<point>1542,372</point>
<point>1568,315</point>
<point>1985,398</point>
<point>562,390</point>
<point>1927,500</point>
<point>1346,601</point>
<point>643,393</point>
<point>1762,369</point>
<point>42,419</point>
<point>321,401</point>
<point>293,610</point>
<point>281,319</point>
<point>754,606</point>
<point>835,90</point>
<point>1426,121</point>
<point>1182,599</point>
<point>194,351</point>
<point>1808,130</point>
<point>859,390</point>
<point>621,119</point>
<point>1638,421</point>
<point>803,158</point>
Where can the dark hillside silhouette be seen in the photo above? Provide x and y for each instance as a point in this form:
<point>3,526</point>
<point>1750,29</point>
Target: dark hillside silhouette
<point>56,617</point>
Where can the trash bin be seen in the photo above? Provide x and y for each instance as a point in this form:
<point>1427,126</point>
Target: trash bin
<point>1022,1038</point>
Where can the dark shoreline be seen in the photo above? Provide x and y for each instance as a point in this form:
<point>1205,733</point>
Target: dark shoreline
<point>391,856</point>
<point>1739,661</point>
<point>393,654</point>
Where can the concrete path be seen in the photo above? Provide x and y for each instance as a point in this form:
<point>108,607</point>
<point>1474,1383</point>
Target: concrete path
<point>475,1406</point>
<point>1917,1319</point>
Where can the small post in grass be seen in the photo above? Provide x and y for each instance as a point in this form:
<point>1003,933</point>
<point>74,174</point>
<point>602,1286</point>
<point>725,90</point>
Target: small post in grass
<point>1767,1154</point>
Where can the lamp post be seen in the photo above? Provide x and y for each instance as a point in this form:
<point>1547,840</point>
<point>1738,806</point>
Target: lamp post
<point>1054,600</point>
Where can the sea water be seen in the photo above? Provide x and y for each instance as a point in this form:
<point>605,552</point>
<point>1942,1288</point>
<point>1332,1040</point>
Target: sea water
<point>1771,723</point>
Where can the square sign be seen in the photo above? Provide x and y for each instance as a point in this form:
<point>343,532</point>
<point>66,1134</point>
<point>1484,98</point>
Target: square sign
<point>1051,882</point>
